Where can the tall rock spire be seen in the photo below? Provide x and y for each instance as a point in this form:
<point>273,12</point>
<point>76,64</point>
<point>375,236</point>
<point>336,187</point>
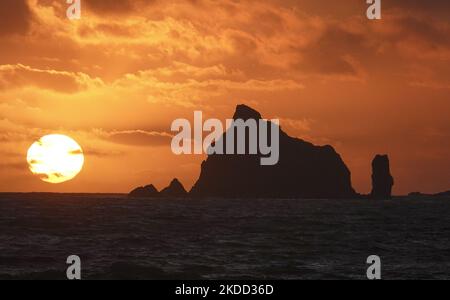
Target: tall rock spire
<point>382,180</point>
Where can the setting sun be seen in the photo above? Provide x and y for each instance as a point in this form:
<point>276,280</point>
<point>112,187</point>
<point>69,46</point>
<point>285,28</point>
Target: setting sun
<point>55,158</point>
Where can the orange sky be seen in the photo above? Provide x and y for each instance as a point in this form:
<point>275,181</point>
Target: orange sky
<point>116,79</point>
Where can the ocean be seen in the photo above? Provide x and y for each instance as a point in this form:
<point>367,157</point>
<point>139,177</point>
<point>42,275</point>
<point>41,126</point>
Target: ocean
<point>120,238</point>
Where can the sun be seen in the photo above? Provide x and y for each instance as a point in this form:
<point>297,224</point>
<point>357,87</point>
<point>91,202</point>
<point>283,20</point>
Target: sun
<point>55,158</point>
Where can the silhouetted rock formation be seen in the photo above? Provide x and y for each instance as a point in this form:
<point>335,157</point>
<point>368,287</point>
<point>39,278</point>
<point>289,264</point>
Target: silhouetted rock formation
<point>422,195</point>
<point>418,195</point>
<point>443,194</point>
<point>175,189</point>
<point>303,171</point>
<point>148,191</point>
<point>382,180</point>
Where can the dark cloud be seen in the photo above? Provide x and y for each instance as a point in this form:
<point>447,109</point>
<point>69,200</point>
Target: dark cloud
<point>343,50</point>
<point>436,7</point>
<point>15,17</point>
<point>10,136</point>
<point>141,138</point>
<point>76,152</point>
<point>426,30</point>
<point>43,176</point>
<point>14,165</point>
<point>102,153</point>
<point>332,54</point>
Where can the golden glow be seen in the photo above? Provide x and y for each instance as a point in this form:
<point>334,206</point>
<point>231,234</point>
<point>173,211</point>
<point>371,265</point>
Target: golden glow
<point>330,75</point>
<point>55,158</point>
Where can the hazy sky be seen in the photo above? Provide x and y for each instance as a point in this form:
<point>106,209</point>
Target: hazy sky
<point>116,79</point>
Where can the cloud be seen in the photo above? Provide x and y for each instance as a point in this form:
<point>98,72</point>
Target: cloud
<point>138,138</point>
<point>108,6</point>
<point>298,125</point>
<point>436,7</point>
<point>15,17</point>
<point>11,132</point>
<point>14,76</point>
<point>258,40</point>
<point>436,76</point>
<point>414,36</point>
<point>336,52</point>
<point>188,86</point>
<point>14,165</point>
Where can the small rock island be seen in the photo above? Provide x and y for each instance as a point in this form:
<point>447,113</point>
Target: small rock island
<point>382,180</point>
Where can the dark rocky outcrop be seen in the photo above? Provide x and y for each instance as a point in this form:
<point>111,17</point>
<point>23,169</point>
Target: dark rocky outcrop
<point>443,194</point>
<point>175,190</point>
<point>148,191</point>
<point>418,195</point>
<point>422,195</point>
<point>382,180</point>
<point>303,171</point>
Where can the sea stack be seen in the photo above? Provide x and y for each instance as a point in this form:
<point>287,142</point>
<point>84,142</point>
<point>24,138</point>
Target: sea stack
<point>303,171</point>
<point>382,180</point>
<point>148,191</point>
<point>174,190</point>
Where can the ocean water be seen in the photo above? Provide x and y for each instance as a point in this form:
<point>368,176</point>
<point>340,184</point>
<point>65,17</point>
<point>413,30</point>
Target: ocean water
<point>121,238</point>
